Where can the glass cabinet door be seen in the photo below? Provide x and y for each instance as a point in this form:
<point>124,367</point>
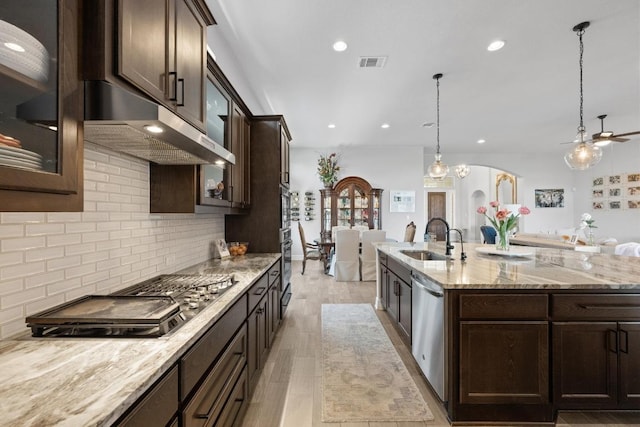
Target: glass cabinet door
<point>344,208</point>
<point>29,82</point>
<point>41,106</point>
<point>360,207</point>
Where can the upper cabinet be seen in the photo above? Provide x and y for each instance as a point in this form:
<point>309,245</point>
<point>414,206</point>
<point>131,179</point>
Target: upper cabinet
<point>351,202</point>
<point>157,46</point>
<point>40,107</point>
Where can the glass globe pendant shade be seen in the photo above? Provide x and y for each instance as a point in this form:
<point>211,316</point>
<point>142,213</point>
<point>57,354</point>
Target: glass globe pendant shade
<point>437,169</point>
<point>462,171</point>
<point>582,156</point>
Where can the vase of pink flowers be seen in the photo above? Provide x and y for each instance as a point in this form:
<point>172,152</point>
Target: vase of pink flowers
<point>503,220</point>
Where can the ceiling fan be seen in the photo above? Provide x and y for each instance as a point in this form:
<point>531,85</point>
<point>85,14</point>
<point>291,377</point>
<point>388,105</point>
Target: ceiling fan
<point>604,138</point>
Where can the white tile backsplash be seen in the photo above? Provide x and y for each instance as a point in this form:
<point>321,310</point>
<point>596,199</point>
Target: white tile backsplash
<point>50,258</point>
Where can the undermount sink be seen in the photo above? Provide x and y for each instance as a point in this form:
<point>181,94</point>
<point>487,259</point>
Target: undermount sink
<point>424,255</point>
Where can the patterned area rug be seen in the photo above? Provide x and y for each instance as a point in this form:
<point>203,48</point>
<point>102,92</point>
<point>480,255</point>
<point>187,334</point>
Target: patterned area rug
<point>363,377</point>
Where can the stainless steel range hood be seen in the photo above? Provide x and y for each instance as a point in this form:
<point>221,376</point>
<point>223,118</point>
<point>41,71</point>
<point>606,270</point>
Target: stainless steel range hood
<point>118,119</point>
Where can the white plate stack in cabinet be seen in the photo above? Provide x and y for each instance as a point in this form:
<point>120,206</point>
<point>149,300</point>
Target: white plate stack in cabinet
<point>295,206</point>
<point>309,206</point>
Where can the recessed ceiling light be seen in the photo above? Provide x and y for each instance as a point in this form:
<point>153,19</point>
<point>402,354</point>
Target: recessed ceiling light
<point>331,126</point>
<point>385,126</point>
<point>428,125</point>
<point>481,141</point>
<point>154,129</point>
<point>14,46</point>
<point>495,45</point>
<point>340,46</point>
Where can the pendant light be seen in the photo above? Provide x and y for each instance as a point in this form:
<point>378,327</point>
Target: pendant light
<point>462,171</point>
<point>438,170</point>
<point>584,154</point>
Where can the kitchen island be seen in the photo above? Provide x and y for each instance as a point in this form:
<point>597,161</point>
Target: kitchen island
<point>522,336</point>
<point>94,381</point>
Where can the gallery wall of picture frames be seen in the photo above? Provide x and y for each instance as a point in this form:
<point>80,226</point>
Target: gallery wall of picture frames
<point>616,192</point>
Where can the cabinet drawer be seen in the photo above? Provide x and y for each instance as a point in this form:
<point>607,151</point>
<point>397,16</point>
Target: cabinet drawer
<point>203,353</point>
<point>596,307</point>
<point>257,291</point>
<point>237,403</point>
<point>274,273</point>
<point>157,407</point>
<point>498,306</point>
<point>209,400</point>
<point>400,270</point>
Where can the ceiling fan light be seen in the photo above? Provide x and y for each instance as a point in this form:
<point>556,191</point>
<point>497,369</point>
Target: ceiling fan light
<point>602,142</point>
<point>582,156</point>
<point>437,169</point>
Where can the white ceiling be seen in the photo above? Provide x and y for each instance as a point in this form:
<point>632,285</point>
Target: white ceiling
<point>522,98</point>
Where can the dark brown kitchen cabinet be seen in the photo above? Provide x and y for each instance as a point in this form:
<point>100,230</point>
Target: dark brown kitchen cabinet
<point>384,286</point>
<point>42,110</point>
<point>274,311</point>
<point>284,157</point>
<point>596,351</point>
<point>504,362</point>
<point>159,405</point>
<point>397,297</point>
<point>240,172</point>
<point>263,223</point>
<point>258,326</point>
<point>172,69</point>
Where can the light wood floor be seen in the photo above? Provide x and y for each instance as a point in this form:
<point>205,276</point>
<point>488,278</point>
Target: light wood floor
<point>288,393</point>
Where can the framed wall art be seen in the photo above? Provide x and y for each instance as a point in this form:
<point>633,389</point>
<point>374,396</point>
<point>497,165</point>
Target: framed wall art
<point>549,198</point>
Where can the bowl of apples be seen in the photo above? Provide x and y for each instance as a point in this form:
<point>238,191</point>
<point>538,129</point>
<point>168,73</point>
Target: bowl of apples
<point>237,248</point>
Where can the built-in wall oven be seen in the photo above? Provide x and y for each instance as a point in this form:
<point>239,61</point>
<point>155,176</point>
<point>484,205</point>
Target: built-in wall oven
<point>285,248</point>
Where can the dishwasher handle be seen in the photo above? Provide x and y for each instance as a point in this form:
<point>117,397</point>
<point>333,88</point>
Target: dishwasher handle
<point>426,286</point>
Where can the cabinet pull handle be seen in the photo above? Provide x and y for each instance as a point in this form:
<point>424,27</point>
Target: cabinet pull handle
<point>608,306</point>
<point>180,104</point>
<point>612,341</point>
<point>624,337</point>
<point>275,273</point>
<point>175,85</point>
<point>260,290</point>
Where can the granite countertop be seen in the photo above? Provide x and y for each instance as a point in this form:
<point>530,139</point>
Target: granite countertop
<point>545,268</point>
<point>92,381</point>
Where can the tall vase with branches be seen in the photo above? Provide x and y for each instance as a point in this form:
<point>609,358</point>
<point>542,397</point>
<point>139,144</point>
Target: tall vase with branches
<point>328,169</point>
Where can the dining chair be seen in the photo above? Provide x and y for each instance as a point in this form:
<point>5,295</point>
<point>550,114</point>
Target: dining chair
<point>410,232</point>
<point>336,228</point>
<point>309,250</point>
<point>360,228</point>
<point>346,260</point>
<point>488,234</point>
<point>368,265</point>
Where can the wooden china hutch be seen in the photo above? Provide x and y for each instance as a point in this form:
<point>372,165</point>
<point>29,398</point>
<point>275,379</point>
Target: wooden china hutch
<point>350,202</point>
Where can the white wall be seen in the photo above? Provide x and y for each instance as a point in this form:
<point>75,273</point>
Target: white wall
<point>50,258</point>
<point>389,168</point>
<point>548,171</point>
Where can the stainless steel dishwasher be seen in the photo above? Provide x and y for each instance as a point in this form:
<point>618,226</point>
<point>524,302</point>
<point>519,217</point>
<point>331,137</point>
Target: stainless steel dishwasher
<point>427,324</point>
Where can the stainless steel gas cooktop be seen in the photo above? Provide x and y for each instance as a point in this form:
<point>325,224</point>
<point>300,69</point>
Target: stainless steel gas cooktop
<point>149,309</point>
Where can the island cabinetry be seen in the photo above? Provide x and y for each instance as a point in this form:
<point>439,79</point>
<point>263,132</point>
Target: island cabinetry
<point>596,351</point>
<point>384,280</point>
<point>499,357</point>
<point>399,297</point>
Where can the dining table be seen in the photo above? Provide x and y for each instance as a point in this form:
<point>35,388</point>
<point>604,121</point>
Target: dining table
<point>325,245</point>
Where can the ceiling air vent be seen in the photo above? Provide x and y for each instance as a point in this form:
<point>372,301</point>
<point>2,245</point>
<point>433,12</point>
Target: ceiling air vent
<point>372,61</point>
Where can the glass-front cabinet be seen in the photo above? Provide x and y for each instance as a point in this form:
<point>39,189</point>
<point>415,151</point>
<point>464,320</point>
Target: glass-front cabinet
<point>40,106</point>
<point>351,202</point>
